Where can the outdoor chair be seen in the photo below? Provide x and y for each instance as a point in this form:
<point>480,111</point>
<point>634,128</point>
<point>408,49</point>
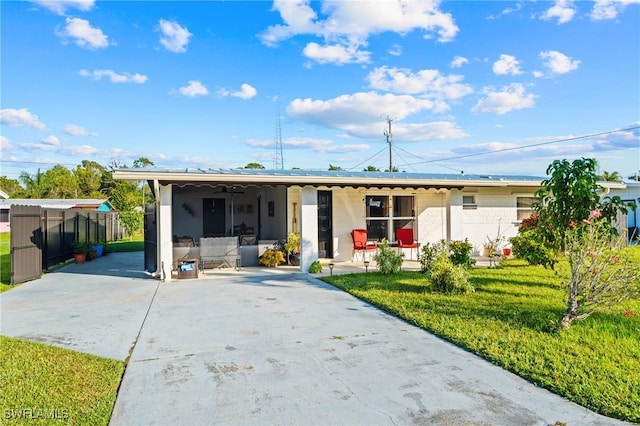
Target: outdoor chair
<point>360,243</point>
<point>404,238</point>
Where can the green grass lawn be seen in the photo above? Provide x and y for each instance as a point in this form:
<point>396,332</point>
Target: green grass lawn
<point>510,319</point>
<point>135,243</point>
<point>5,261</point>
<point>54,385</point>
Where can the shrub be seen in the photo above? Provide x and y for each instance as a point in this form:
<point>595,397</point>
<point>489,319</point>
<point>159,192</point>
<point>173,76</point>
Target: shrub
<point>529,246</point>
<point>460,253</point>
<point>429,253</point>
<point>388,261</point>
<point>449,278</point>
<point>315,267</point>
<point>272,258</point>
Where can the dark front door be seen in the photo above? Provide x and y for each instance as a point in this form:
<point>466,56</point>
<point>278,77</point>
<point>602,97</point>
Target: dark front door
<point>325,223</point>
<point>213,217</point>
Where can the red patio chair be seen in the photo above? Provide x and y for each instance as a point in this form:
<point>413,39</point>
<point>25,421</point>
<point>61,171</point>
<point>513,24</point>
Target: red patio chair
<point>404,237</point>
<point>360,243</point>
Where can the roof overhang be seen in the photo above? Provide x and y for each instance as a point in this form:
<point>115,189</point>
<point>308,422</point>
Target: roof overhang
<point>248,177</point>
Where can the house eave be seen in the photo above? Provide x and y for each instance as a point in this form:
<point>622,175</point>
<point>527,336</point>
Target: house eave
<point>356,180</point>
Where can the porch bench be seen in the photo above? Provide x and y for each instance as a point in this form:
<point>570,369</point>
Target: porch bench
<point>219,252</point>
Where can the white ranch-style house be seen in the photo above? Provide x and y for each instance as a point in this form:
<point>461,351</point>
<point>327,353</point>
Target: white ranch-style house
<point>260,206</point>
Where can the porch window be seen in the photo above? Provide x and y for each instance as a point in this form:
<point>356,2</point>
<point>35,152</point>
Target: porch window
<point>385,214</point>
<point>377,207</point>
<point>524,206</point>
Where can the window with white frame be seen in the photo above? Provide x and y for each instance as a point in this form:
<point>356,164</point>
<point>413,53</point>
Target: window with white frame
<point>384,214</point>
<point>469,202</point>
<point>524,206</point>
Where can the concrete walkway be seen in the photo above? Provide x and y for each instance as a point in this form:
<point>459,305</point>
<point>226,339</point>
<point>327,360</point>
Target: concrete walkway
<point>269,346</point>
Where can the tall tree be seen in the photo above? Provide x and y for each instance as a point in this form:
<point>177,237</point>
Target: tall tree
<point>61,183</point>
<point>142,162</point>
<point>371,169</point>
<point>11,187</point>
<point>90,179</point>
<point>254,166</point>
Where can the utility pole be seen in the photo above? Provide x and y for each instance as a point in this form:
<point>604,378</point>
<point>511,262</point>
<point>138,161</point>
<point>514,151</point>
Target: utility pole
<point>387,133</point>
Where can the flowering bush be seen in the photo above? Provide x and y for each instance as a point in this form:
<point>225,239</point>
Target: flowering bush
<point>602,272</point>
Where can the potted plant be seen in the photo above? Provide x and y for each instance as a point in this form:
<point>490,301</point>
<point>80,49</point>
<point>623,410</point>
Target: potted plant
<point>79,250</point>
<point>292,247</point>
<point>98,247</point>
<point>272,258</point>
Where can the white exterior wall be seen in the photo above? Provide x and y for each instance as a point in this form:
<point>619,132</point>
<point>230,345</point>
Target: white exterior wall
<point>496,215</point>
<point>308,227</point>
<point>165,231</point>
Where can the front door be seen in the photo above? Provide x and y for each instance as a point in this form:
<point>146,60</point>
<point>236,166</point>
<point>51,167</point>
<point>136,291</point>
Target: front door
<point>213,217</point>
<point>325,231</point>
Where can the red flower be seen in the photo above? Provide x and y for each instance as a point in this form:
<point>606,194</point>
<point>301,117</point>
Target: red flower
<point>596,214</point>
<point>572,223</point>
<point>587,221</point>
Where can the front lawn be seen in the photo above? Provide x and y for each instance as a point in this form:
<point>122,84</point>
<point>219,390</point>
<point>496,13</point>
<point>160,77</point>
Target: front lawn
<point>48,385</point>
<point>5,261</point>
<point>510,320</point>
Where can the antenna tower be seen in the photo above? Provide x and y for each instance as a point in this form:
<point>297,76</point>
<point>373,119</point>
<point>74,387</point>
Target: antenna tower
<point>388,134</point>
<point>278,160</point>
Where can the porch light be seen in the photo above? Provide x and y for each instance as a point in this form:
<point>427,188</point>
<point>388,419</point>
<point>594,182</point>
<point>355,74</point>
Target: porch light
<point>331,268</point>
<point>366,266</point>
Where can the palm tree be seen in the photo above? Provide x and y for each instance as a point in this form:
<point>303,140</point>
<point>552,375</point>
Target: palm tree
<point>610,177</point>
<point>34,185</point>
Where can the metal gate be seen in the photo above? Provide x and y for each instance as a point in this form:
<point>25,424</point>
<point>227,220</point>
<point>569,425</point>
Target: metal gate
<point>26,243</point>
<point>150,238</point>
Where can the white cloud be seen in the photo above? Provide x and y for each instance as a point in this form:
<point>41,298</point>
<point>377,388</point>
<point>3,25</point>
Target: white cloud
<point>509,98</point>
<point>246,92</point>
<point>458,62</point>
<point>427,83</point>
<point>194,88</point>
<point>317,145</point>
<point>609,9</point>
<point>20,117</point>
<point>51,140</point>
<point>395,50</point>
<point>75,130</point>
<point>5,143</point>
<point>558,63</point>
<point>360,115</point>
<point>346,25</point>
<point>84,34</point>
<point>336,53</point>
<point>563,10</point>
<point>509,10</point>
<point>114,76</point>
<point>60,6</point>
<point>174,37</point>
<point>507,64</point>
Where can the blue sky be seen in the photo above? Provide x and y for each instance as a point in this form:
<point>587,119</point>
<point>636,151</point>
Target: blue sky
<point>200,84</point>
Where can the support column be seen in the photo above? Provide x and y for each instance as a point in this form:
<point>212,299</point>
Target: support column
<point>165,231</point>
<point>308,227</point>
<point>455,226</point>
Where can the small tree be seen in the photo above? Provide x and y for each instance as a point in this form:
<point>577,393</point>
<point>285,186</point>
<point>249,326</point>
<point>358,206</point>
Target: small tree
<point>602,272</point>
<point>568,197</point>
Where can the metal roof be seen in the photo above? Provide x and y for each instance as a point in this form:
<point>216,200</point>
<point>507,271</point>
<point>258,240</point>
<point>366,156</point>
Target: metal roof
<point>53,203</point>
<point>247,177</point>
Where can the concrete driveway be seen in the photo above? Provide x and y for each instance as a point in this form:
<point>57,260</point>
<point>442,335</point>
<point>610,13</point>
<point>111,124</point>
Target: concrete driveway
<point>267,346</point>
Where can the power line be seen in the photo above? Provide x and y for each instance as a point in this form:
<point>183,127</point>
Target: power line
<point>477,154</point>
